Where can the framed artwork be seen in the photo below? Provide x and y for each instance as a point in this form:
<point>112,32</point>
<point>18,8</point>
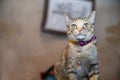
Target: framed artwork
<point>53,16</point>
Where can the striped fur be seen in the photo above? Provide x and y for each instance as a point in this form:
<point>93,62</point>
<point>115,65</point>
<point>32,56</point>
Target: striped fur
<point>79,62</point>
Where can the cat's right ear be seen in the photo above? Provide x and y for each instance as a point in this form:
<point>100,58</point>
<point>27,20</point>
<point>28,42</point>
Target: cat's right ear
<point>92,16</point>
<point>68,18</point>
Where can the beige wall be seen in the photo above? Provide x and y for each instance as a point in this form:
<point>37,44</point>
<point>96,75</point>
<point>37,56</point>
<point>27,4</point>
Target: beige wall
<point>20,39</point>
<point>107,29</point>
<point>25,51</point>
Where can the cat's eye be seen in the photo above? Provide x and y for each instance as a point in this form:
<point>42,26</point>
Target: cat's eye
<point>85,25</point>
<point>74,26</point>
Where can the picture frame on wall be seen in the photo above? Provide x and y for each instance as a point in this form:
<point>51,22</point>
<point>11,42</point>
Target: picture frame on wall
<point>53,16</point>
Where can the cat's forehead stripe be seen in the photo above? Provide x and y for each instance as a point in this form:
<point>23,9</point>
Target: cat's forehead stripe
<point>79,21</point>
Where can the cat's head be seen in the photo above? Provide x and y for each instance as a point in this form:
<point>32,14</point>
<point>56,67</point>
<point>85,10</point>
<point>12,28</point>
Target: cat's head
<point>80,29</point>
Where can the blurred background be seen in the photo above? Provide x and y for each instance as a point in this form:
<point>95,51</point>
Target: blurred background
<point>25,51</point>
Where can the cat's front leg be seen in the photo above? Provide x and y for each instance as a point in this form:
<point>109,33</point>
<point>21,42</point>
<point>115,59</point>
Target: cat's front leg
<point>95,77</point>
<point>72,76</point>
<point>94,74</point>
<point>72,73</point>
<point>60,72</point>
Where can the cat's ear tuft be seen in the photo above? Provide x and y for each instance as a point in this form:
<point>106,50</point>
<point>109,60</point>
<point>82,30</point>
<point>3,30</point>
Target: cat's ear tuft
<point>92,17</point>
<point>68,18</point>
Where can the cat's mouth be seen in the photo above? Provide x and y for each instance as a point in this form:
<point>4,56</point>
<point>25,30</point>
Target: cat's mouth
<point>80,37</point>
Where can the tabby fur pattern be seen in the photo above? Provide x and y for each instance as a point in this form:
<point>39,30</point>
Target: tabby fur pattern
<point>79,62</point>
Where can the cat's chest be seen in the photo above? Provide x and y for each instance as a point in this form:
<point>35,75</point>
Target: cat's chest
<point>88,51</point>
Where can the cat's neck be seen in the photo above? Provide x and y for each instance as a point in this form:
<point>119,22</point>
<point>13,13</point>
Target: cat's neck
<point>73,47</point>
<point>83,43</point>
<point>77,43</point>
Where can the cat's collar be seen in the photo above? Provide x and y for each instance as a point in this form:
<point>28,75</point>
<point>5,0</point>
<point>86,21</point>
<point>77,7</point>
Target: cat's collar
<point>82,43</point>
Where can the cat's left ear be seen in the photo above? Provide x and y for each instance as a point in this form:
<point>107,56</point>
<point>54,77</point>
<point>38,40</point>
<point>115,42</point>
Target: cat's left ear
<point>68,18</point>
<point>92,17</point>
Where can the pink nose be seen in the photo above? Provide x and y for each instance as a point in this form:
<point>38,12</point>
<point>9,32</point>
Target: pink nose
<point>79,29</point>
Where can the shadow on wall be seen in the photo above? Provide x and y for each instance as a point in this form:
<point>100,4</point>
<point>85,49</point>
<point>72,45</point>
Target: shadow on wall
<point>3,28</point>
<point>115,30</point>
<point>1,5</point>
<point>1,2</point>
<point>8,30</point>
<point>114,41</point>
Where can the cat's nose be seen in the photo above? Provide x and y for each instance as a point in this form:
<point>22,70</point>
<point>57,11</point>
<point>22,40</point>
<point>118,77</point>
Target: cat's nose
<point>79,29</point>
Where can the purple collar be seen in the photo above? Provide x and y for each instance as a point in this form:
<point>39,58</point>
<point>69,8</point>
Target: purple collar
<point>82,43</point>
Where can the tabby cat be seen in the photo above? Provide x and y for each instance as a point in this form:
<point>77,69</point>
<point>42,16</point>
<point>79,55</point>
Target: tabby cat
<point>79,60</point>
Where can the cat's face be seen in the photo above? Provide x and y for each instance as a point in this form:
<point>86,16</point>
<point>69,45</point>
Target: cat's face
<point>80,29</point>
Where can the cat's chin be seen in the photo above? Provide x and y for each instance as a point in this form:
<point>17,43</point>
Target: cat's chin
<point>80,37</point>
